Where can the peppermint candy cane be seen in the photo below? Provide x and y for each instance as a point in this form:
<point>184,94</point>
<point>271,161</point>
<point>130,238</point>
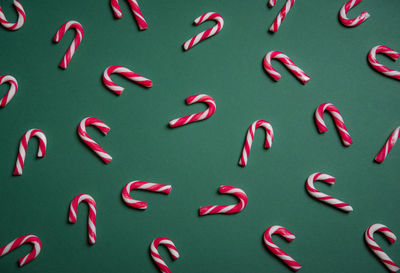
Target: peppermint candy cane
<point>207,33</point>
<point>229,209</point>
<point>92,214</point>
<point>289,261</point>
<point>89,141</point>
<point>199,116</point>
<point>20,21</point>
<point>379,67</point>
<point>126,73</point>
<point>135,9</point>
<point>322,196</point>
<point>300,75</point>
<point>269,135</point>
<point>352,22</point>
<point>11,92</point>
<point>282,14</point>
<point>369,233</point>
<point>75,43</point>
<point>141,185</point>
<point>32,239</point>
<point>388,146</point>
<point>156,256</point>
<point>19,165</point>
<point>337,118</point>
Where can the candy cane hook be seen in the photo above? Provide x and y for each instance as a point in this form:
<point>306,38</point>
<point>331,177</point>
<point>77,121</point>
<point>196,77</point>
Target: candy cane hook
<point>282,14</point>
<point>135,9</point>
<point>289,261</point>
<point>92,214</point>
<point>75,43</point>
<point>199,116</point>
<point>20,21</point>
<point>369,239</point>
<point>11,92</point>
<point>89,141</point>
<point>207,33</point>
<point>156,256</point>
<point>381,68</point>
<point>32,239</point>
<point>141,185</point>
<point>388,146</point>
<point>229,209</point>
<point>352,22</point>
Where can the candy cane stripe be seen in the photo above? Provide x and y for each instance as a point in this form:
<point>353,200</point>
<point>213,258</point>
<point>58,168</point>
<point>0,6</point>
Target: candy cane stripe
<point>156,256</point>
<point>92,214</point>
<point>381,68</point>
<point>282,14</point>
<point>32,239</point>
<point>142,24</point>
<point>352,22</point>
<point>388,145</point>
<point>141,185</point>
<point>229,209</point>
<point>20,21</point>
<point>11,92</point>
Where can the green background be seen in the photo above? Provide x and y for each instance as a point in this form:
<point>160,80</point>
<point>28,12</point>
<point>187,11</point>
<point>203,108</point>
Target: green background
<point>196,159</point>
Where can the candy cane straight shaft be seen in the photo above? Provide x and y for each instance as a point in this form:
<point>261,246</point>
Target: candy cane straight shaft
<point>142,24</point>
<point>282,14</point>
<point>388,145</point>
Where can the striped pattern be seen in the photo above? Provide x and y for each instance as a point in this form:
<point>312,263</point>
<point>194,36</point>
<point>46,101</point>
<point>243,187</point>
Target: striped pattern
<point>269,135</point>
<point>32,239</point>
<point>369,238</point>
<point>289,261</point>
<point>337,118</point>
<point>156,256</point>
<point>388,146</point>
<point>207,33</point>
<point>19,165</point>
<point>228,209</point>
<point>282,14</point>
<point>199,116</point>
<point>381,68</point>
<point>300,75</point>
<point>20,21</point>
<point>322,196</point>
<point>352,22</point>
<point>89,141</point>
<point>92,214</point>
<point>141,185</point>
<point>116,69</point>
<point>135,9</point>
<point>75,43</point>
<point>11,92</point>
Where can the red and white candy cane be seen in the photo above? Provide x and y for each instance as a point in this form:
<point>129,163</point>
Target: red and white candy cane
<point>269,135</point>
<point>135,9</point>
<point>289,261</point>
<point>352,22</point>
<point>199,116</point>
<point>19,165</point>
<point>322,196</point>
<point>92,214</point>
<point>207,33</point>
<point>32,239</point>
<point>20,21</point>
<point>381,68</point>
<point>279,18</point>
<point>388,146</point>
<point>229,209</point>
<point>11,92</point>
<point>89,141</point>
<point>75,43</point>
<point>300,75</point>
<point>156,256</point>
<point>141,185</point>
<point>369,239</point>
<point>127,74</point>
<point>337,118</point>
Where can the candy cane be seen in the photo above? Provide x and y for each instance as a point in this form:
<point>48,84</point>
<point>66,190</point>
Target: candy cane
<point>141,185</point>
<point>344,134</point>
<point>322,196</point>
<point>126,73</point>
<point>20,21</point>
<point>269,135</point>
<point>381,68</point>
<point>199,116</point>
<point>156,256</point>
<point>19,165</point>
<point>89,141</point>
<point>92,214</point>
<point>207,33</point>
<point>135,9</point>
<point>388,145</point>
<point>11,92</point>
<point>32,239</point>
<point>300,75</point>
<point>239,193</point>
<point>279,18</point>
<point>352,22</point>
<point>75,43</point>
<point>369,233</point>
<point>289,261</point>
